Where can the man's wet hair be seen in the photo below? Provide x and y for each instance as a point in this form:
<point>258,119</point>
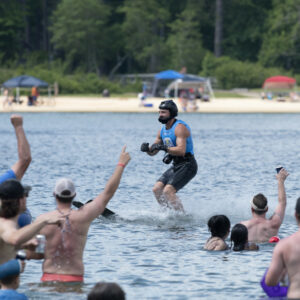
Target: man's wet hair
<point>261,202</point>
<point>106,291</point>
<point>218,225</point>
<point>9,208</point>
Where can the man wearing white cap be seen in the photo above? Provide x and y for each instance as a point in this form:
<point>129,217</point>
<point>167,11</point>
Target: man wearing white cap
<point>64,246</point>
<point>261,229</point>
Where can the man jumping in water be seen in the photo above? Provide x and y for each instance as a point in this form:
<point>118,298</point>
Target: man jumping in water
<point>175,139</point>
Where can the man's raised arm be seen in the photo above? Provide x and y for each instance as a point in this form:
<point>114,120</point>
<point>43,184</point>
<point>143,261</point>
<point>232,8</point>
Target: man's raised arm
<point>93,209</point>
<point>280,209</point>
<point>24,155</point>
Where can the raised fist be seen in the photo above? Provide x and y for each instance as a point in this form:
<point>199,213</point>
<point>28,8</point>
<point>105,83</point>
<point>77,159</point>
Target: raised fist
<point>16,120</point>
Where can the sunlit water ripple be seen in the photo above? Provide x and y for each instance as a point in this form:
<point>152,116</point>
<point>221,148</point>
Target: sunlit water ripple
<point>151,253</point>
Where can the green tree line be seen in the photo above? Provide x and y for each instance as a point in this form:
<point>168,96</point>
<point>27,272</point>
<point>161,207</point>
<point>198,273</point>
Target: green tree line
<point>239,42</point>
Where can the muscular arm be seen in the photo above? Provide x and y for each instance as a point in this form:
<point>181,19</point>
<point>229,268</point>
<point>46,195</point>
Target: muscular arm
<point>276,268</point>
<point>278,216</point>
<point>24,154</point>
<point>93,209</point>
<point>182,134</point>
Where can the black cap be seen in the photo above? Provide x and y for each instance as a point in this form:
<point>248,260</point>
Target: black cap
<point>11,189</point>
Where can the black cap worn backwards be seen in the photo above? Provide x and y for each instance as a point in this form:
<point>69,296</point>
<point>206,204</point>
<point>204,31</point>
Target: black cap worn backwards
<point>11,189</point>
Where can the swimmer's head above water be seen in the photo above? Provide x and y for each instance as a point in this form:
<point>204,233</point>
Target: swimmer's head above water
<point>65,190</point>
<point>239,237</point>
<point>219,226</point>
<point>259,204</point>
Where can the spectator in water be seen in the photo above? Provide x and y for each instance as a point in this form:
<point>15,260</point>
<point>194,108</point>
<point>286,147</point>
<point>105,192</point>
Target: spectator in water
<point>239,238</point>
<point>259,227</point>
<point>10,280</point>
<point>219,226</point>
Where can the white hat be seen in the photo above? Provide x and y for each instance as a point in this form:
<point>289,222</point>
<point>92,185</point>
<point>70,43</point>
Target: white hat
<point>64,188</point>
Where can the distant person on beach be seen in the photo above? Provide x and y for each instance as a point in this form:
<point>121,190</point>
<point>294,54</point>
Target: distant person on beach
<point>13,202</point>
<point>10,280</point>
<point>260,228</point>
<point>18,170</point>
<point>183,99</point>
<point>34,95</point>
<point>239,238</point>
<point>175,139</point>
<point>7,98</point>
<point>219,226</point>
<point>286,259</point>
<point>106,291</point>
<point>63,258</point>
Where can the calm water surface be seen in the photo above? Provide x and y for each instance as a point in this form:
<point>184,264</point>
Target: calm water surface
<point>151,253</point>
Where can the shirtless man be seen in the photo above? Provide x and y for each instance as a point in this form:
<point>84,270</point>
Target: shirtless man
<point>13,202</point>
<point>286,258</point>
<point>63,259</point>
<point>260,229</point>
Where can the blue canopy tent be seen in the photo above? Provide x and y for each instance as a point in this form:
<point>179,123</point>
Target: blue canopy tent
<point>24,81</point>
<point>181,81</point>
<point>165,75</point>
<point>191,81</point>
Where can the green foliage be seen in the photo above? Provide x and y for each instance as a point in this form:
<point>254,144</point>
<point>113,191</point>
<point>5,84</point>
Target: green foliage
<point>79,30</point>
<point>11,27</point>
<point>244,22</point>
<point>281,46</point>
<point>185,41</point>
<point>145,30</point>
<point>232,73</point>
<point>78,83</point>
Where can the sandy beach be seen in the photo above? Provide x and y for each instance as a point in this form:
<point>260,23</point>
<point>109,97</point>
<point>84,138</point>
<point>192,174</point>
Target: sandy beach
<point>94,104</point>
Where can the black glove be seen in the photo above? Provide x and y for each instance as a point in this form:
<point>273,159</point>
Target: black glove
<point>145,147</point>
<point>159,147</point>
<point>167,158</point>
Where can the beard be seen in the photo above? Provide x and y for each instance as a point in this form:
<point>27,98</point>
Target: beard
<point>164,120</point>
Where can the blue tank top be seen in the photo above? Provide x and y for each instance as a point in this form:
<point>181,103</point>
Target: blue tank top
<point>169,138</point>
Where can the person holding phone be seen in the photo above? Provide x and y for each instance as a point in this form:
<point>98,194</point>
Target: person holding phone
<point>261,229</point>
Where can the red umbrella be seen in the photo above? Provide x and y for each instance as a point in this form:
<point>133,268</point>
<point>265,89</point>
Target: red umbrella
<point>279,82</point>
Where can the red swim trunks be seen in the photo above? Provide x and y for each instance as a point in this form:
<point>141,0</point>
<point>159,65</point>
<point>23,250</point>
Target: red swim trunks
<point>62,277</point>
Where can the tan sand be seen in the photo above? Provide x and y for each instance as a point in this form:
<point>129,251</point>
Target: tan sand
<point>93,104</point>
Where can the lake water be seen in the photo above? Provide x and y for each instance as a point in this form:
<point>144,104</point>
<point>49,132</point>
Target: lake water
<point>151,253</point>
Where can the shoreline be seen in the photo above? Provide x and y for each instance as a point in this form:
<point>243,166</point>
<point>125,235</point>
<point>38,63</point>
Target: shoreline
<point>78,104</point>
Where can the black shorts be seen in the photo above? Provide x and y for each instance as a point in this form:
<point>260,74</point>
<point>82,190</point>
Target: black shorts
<point>180,173</point>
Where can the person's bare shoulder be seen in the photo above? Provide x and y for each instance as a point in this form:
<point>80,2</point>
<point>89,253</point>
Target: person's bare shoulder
<point>215,244</point>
